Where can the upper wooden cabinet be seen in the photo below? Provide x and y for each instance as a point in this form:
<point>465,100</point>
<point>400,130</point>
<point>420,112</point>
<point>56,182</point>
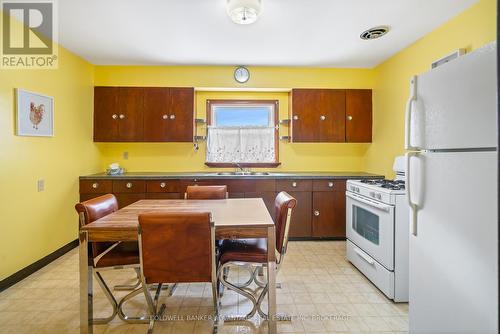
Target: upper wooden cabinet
<point>137,114</point>
<point>358,116</point>
<point>331,115</point>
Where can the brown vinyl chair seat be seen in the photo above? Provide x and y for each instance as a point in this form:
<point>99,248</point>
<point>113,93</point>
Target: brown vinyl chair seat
<point>243,250</point>
<point>125,253</point>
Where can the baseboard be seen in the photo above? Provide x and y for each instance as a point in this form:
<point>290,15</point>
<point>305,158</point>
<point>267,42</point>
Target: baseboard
<point>25,272</point>
<point>317,239</point>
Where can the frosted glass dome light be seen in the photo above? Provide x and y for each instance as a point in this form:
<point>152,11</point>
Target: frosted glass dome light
<point>243,11</point>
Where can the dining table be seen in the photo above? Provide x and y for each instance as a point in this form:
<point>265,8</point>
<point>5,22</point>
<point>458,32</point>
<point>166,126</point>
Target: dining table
<point>235,218</point>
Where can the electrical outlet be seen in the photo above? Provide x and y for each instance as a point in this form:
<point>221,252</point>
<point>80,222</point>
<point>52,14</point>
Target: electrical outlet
<point>125,155</point>
<point>40,184</point>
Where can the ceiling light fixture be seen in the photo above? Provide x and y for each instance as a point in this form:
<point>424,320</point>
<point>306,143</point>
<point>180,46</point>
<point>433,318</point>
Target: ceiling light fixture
<point>243,11</point>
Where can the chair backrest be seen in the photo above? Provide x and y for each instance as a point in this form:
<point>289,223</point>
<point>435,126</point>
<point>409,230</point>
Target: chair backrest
<point>94,209</point>
<point>176,247</point>
<point>206,192</point>
<point>283,205</point>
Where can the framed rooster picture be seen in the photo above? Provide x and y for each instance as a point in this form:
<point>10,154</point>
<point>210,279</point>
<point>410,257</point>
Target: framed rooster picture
<point>35,114</point>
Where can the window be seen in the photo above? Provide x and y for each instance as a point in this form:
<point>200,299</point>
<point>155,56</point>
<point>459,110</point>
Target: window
<point>242,132</point>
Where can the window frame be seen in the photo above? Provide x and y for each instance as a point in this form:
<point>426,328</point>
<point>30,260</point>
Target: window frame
<point>274,103</point>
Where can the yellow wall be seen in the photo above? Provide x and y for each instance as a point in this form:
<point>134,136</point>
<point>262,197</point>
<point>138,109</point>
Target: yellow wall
<point>182,157</point>
<point>33,223</point>
<point>471,29</point>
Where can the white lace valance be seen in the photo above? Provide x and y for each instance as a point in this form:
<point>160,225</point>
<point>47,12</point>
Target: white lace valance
<point>245,144</point>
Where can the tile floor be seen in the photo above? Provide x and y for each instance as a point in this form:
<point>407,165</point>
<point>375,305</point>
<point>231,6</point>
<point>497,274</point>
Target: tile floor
<point>320,290</point>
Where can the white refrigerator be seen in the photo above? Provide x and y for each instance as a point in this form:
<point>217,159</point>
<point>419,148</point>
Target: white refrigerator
<point>451,166</point>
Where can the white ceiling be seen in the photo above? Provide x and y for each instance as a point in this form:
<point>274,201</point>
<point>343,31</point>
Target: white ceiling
<point>321,33</point>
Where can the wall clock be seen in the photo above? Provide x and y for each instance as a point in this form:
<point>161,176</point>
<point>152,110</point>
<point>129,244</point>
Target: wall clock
<point>241,74</point>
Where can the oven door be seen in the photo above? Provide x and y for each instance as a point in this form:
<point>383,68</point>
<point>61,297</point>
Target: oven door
<point>370,226</point>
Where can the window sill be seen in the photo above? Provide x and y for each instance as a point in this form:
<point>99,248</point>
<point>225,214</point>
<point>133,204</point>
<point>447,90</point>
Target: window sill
<point>243,164</point>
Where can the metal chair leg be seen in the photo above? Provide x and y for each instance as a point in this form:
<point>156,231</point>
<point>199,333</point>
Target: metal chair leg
<point>109,296</point>
<point>130,287</point>
<point>151,305</point>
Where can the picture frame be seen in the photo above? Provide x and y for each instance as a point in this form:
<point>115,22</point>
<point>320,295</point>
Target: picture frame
<point>35,114</point>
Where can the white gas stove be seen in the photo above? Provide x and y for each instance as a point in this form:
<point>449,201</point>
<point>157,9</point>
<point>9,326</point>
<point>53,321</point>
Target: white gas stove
<point>378,232</point>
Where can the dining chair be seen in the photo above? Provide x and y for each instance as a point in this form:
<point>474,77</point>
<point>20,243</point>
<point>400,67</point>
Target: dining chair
<point>108,255</point>
<point>252,253</point>
<point>174,247</point>
<point>206,192</point>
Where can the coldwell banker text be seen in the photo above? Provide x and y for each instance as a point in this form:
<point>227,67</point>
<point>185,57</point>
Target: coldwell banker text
<point>29,35</point>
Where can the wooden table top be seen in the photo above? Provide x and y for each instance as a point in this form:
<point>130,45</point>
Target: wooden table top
<point>234,212</point>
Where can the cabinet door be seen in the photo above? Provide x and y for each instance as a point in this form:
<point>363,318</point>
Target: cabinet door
<point>328,211</point>
<point>300,226</point>
<point>359,115</point>
<point>156,117</point>
<point>106,113</point>
<point>331,108</point>
<point>181,115</point>
<point>305,121</point>
<point>131,118</point>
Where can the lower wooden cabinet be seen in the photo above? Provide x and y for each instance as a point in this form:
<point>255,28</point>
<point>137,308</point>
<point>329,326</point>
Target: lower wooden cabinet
<point>300,226</point>
<point>320,210</point>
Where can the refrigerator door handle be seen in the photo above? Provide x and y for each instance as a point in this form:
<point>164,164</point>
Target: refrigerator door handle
<point>413,206</point>
<point>411,99</point>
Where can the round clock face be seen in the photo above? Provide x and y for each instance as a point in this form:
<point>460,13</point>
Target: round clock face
<point>241,74</point>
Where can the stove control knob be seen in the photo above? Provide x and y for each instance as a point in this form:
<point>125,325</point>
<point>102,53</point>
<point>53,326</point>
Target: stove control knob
<point>379,196</point>
<point>372,194</point>
<point>357,189</point>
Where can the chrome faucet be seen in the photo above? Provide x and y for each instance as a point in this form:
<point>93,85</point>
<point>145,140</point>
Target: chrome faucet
<point>241,169</point>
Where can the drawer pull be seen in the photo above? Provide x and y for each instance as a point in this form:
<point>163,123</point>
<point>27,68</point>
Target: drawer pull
<point>172,116</point>
<point>95,185</point>
<point>316,213</point>
<point>295,118</point>
<point>363,256</point>
<point>129,185</point>
<point>330,184</point>
<point>164,116</point>
<point>114,116</point>
<point>294,184</point>
<point>322,117</point>
<point>122,116</point>
<point>163,185</point>
<point>349,118</point>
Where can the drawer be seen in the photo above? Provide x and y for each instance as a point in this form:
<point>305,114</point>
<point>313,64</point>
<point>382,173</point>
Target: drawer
<point>95,187</point>
<point>294,185</point>
<point>329,185</point>
<point>129,186</point>
<point>165,186</point>
<point>374,271</point>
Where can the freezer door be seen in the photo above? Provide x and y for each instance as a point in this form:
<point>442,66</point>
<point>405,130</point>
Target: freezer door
<point>454,254</point>
<point>455,104</point>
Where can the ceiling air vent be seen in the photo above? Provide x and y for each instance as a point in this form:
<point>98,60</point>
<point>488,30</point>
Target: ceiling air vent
<point>374,32</point>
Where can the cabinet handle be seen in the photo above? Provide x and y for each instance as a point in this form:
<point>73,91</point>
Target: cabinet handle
<point>163,185</point>
<point>95,185</point>
<point>322,117</point>
<point>129,185</point>
<point>122,116</point>
<point>172,116</point>
<point>295,117</point>
<point>114,116</point>
<point>294,184</point>
<point>195,180</point>
<point>349,118</point>
<point>164,116</point>
<point>316,213</point>
<point>330,184</point>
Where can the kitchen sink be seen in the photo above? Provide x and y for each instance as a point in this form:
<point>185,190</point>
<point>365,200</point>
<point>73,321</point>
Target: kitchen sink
<point>243,173</point>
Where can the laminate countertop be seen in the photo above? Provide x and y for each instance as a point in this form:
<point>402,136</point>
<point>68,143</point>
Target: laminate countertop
<point>228,175</point>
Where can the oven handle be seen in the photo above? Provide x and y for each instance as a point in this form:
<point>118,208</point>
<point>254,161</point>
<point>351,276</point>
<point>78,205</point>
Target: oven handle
<point>382,207</point>
<point>363,256</point>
